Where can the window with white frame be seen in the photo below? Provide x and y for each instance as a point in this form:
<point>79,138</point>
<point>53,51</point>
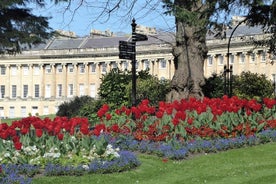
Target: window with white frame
<point>242,57</point>
<point>13,70</point>
<point>70,90</point>
<point>93,90</point>
<point>113,65</point>
<point>1,112</point>
<point>210,60</point>
<point>59,68</point>
<point>137,64</point>
<point>93,67</point>
<point>23,111</point>
<point>3,70</point>
<point>36,90</point>
<point>125,65</point>
<point>70,68</point>
<point>25,70</point>
<point>103,66</point>
<point>253,57</point>
<point>45,110</point>
<point>34,110</point>
<point>146,63</point>
<point>81,90</point>
<point>2,91</point>
<point>48,91</point>
<point>263,56</point>
<point>25,91</point>
<point>220,59</point>
<point>36,69</point>
<point>59,90</point>
<point>11,113</point>
<point>162,63</point>
<point>56,109</point>
<point>81,68</point>
<point>13,95</point>
<point>48,68</point>
<point>231,58</point>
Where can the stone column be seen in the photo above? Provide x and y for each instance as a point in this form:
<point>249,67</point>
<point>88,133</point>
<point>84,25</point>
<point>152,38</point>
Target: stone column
<point>19,80</point>
<point>170,69</point>
<point>64,79</point>
<point>54,86</point>
<point>86,79</point>
<point>75,83</point>
<point>8,82</point>
<point>157,67</point>
<point>152,67</point>
<point>42,82</point>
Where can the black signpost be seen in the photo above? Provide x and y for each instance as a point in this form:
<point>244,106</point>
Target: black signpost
<point>127,50</point>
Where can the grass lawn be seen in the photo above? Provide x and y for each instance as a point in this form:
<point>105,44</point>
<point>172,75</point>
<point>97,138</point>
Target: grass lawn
<point>252,165</point>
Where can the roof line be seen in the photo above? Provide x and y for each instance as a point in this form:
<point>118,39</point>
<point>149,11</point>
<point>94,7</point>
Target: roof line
<point>83,42</point>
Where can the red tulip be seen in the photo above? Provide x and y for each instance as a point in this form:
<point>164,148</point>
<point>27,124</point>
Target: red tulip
<point>39,132</point>
<point>159,114</point>
<point>108,116</point>
<point>60,136</point>
<point>18,145</point>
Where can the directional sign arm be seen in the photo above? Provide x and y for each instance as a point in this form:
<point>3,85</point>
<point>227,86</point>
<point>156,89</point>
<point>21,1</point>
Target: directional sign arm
<point>136,37</point>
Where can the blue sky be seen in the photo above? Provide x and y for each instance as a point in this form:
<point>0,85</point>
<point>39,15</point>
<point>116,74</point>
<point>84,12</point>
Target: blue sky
<point>83,19</point>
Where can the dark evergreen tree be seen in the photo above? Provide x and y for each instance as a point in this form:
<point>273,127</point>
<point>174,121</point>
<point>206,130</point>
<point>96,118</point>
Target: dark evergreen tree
<point>18,26</point>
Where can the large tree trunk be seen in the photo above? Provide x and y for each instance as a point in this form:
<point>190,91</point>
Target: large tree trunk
<point>189,54</point>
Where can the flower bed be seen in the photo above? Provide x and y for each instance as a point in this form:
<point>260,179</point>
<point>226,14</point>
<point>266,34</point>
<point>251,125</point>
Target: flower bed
<point>23,173</point>
<point>59,147</point>
<point>190,119</point>
<point>170,150</point>
<point>172,130</point>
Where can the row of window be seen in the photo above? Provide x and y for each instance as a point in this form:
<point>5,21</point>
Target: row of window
<point>59,91</point>
<point>81,67</point>
<point>24,112</point>
<point>241,58</point>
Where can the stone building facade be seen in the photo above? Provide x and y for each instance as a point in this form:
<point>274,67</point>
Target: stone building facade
<point>39,79</point>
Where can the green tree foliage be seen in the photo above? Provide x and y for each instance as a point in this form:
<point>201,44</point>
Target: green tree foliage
<point>246,85</point>
<point>116,88</point>
<point>214,86</point>
<point>150,88</point>
<point>72,108</point>
<point>252,85</point>
<point>18,26</point>
<point>113,87</point>
<point>90,109</point>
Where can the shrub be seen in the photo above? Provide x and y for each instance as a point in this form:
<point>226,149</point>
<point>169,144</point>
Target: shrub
<point>71,108</point>
<point>214,86</point>
<point>252,85</point>
<point>246,85</point>
<point>150,88</point>
<point>90,109</point>
<point>116,88</point>
<point>113,87</point>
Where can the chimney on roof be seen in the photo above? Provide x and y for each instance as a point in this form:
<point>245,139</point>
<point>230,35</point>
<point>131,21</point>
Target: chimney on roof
<point>98,33</point>
<point>146,30</point>
<point>68,34</point>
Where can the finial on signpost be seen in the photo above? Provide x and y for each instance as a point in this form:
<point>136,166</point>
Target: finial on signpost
<point>133,25</point>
